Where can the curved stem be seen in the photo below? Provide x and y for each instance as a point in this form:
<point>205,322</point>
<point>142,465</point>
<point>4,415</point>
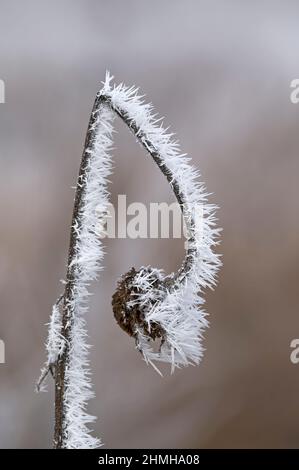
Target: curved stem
<point>67,312</point>
<point>180,197</point>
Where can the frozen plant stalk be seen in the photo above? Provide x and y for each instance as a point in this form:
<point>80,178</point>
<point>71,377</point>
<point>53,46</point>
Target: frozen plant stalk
<point>150,306</point>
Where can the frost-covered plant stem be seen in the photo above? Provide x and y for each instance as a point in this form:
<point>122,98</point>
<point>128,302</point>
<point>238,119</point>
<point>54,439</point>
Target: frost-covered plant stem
<point>68,317</point>
<point>148,145</point>
<point>69,297</point>
<point>148,305</point>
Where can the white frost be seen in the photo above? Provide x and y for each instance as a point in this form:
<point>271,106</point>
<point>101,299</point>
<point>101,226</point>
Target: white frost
<point>87,264</point>
<point>56,342</point>
<point>180,311</point>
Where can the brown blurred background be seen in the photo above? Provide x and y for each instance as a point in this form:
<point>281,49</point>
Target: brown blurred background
<point>220,72</point>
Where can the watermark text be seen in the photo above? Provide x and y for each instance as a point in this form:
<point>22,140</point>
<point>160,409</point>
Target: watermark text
<point>294,356</point>
<point>2,352</point>
<point>2,91</point>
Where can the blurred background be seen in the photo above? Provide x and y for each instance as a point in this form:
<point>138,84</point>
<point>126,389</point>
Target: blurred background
<point>220,72</point>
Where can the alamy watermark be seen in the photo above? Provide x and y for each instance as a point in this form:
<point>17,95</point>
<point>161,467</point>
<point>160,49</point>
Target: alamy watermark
<point>2,352</point>
<point>294,95</point>
<point>2,91</point>
<point>294,356</point>
<point>137,220</point>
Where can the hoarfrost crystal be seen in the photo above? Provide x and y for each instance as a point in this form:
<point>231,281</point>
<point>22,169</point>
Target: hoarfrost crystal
<point>149,305</point>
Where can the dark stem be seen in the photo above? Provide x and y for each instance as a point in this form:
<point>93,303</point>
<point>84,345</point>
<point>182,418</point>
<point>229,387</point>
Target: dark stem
<point>67,313</point>
<point>180,197</point>
<point>60,432</point>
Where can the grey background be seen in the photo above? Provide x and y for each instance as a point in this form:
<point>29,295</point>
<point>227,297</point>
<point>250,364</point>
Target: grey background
<point>220,72</point>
